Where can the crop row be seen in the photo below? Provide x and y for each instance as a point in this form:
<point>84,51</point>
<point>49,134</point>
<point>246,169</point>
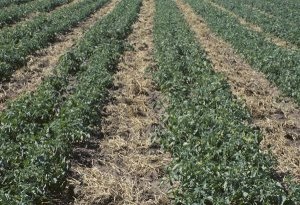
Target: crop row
<point>38,129</point>
<point>15,12</point>
<point>19,42</point>
<point>282,9</point>
<point>280,27</point>
<point>4,3</point>
<point>280,66</point>
<point>216,157</point>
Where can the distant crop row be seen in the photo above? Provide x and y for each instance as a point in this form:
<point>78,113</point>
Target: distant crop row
<point>216,157</point>
<point>37,130</point>
<point>288,9</point>
<point>280,65</point>
<point>17,43</point>
<point>281,27</point>
<point>4,3</point>
<point>15,12</point>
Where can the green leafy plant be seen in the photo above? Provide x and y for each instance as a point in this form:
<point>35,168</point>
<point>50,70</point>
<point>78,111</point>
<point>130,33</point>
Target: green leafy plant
<point>15,12</point>
<point>17,43</point>
<point>5,3</point>
<point>281,9</point>
<point>216,156</point>
<point>282,27</point>
<point>280,65</point>
<point>36,142</point>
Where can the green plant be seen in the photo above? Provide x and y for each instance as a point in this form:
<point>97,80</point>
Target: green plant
<point>216,155</point>
<point>286,28</point>
<point>17,43</point>
<point>281,66</point>
<point>36,142</point>
<point>14,13</point>
<point>5,3</point>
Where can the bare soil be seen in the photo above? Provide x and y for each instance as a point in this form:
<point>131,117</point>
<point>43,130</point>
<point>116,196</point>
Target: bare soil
<point>41,65</point>
<point>276,116</point>
<point>127,167</point>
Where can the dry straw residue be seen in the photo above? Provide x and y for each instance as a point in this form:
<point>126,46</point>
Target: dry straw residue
<point>269,37</point>
<point>41,65</point>
<point>131,167</point>
<point>276,116</point>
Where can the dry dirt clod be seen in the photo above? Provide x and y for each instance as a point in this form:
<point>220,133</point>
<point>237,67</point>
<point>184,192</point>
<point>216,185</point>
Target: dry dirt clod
<point>129,168</point>
<point>27,78</point>
<point>276,116</point>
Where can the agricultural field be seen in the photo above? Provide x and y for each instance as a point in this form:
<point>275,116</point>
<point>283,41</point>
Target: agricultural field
<point>139,102</point>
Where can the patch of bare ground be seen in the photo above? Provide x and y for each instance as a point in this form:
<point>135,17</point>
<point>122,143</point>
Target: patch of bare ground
<point>275,115</point>
<point>127,168</point>
<point>268,36</point>
<point>41,65</point>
